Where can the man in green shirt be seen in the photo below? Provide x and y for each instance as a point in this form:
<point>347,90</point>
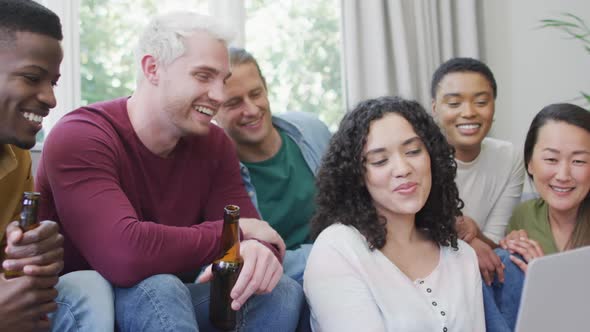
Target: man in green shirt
<point>279,156</point>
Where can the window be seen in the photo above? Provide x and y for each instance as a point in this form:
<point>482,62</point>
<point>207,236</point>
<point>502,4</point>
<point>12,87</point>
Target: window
<point>296,43</point>
<point>108,35</point>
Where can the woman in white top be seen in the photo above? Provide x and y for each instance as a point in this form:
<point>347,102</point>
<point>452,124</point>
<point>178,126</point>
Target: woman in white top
<point>490,172</point>
<point>387,257</point>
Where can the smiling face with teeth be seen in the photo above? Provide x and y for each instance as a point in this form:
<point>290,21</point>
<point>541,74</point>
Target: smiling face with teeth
<point>190,88</point>
<point>245,113</point>
<point>464,107</point>
<point>560,165</point>
<point>29,70</point>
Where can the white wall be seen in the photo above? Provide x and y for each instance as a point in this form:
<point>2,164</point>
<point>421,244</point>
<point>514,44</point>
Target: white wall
<point>533,67</point>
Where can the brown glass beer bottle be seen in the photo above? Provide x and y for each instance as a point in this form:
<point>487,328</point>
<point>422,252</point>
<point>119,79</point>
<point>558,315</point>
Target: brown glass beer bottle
<point>225,271</point>
<point>28,220</point>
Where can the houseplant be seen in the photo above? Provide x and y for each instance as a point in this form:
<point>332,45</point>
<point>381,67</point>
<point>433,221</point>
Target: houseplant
<point>575,28</point>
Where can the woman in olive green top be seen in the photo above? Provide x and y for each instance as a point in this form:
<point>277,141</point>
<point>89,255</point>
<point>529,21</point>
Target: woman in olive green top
<point>530,220</point>
<point>557,158</point>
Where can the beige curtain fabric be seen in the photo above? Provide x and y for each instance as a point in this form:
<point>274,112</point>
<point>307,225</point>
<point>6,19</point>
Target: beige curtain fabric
<point>392,47</point>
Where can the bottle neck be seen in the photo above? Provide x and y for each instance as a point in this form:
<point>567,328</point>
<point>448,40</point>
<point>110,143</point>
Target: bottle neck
<point>230,242</point>
<point>28,216</point>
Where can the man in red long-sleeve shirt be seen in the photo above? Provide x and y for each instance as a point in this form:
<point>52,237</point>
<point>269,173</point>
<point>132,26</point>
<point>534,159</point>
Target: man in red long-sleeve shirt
<point>139,184</point>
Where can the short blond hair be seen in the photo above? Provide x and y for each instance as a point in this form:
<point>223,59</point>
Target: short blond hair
<point>163,37</point>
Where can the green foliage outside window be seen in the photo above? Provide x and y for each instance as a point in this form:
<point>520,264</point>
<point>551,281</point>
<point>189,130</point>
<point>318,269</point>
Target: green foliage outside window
<point>108,36</point>
<point>296,42</point>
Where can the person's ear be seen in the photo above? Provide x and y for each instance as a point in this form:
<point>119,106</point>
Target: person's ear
<point>150,68</point>
<point>434,112</point>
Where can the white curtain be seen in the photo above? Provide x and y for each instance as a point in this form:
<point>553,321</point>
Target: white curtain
<point>392,47</point>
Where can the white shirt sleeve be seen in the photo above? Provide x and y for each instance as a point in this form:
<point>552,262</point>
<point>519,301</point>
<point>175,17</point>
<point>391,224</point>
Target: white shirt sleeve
<point>479,321</point>
<point>497,221</point>
<point>339,299</point>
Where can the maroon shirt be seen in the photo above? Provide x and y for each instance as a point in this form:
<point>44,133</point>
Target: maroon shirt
<point>128,213</point>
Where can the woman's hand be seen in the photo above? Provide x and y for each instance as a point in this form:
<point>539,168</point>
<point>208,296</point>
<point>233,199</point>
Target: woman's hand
<point>520,234</point>
<point>527,248</point>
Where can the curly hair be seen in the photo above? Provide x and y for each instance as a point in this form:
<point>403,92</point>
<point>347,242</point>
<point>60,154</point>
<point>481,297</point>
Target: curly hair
<point>343,197</point>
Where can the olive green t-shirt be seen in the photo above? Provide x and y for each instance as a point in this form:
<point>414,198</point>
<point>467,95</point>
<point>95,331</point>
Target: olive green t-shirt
<point>533,217</point>
<point>285,188</point>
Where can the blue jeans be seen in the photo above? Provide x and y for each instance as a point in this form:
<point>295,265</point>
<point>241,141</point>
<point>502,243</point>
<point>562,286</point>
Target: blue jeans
<point>85,302</point>
<point>501,300</point>
<point>163,303</point>
<point>295,261</point>
<point>294,266</point>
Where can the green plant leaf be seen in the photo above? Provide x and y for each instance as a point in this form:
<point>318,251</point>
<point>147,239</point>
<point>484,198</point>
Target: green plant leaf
<point>576,18</point>
<point>575,28</point>
<point>557,23</point>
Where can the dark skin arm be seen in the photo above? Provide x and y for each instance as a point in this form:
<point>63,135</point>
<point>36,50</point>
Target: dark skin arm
<point>487,240</point>
<point>467,230</point>
<point>25,301</point>
<point>489,263</point>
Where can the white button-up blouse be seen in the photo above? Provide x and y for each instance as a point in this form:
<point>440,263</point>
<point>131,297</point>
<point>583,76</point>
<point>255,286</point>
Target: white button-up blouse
<point>351,288</point>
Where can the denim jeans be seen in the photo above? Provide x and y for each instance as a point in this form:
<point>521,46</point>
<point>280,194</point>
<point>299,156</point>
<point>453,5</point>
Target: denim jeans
<point>294,266</point>
<point>164,303</point>
<point>501,300</point>
<point>295,261</point>
<point>85,302</point>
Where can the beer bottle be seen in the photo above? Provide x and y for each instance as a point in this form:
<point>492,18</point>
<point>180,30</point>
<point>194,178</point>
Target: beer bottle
<point>28,220</point>
<point>225,271</point>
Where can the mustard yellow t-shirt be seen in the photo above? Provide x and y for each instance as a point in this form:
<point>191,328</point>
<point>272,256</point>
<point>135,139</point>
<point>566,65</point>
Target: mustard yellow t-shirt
<point>15,178</point>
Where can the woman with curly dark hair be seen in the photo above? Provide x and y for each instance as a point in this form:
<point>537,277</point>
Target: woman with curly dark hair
<point>387,257</point>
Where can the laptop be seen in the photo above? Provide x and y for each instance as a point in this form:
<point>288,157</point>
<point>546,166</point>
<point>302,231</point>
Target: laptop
<point>556,293</point>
